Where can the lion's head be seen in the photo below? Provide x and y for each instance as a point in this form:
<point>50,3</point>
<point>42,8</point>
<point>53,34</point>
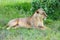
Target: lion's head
<point>40,13</point>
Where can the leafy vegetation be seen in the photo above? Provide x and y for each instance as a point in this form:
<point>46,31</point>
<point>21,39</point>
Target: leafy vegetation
<point>50,6</point>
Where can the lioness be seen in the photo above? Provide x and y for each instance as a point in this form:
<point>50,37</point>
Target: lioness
<point>36,20</point>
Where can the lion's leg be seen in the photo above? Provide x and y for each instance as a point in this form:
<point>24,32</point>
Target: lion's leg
<point>39,26</point>
<point>35,25</point>
<point>47,28</point>
<point>9,27</point>
<point>42,27</point>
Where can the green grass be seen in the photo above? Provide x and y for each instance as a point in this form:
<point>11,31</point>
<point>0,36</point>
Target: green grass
<point>30,34</point>
<point>12,2</point>
<point>8,12</point>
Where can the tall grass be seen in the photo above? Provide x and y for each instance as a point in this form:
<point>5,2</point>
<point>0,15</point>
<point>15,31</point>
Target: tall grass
<point>12,2</point>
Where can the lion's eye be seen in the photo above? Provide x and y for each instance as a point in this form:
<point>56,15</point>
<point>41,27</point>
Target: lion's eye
<point>37,12</point>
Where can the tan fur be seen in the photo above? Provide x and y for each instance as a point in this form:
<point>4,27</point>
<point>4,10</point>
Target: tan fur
<point>35,21</point>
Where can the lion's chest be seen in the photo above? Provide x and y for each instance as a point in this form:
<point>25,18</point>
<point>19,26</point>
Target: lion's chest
<point>38,21</point>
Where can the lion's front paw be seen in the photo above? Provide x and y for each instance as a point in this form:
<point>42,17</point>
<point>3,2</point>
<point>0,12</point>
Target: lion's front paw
<point>42,27</point>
